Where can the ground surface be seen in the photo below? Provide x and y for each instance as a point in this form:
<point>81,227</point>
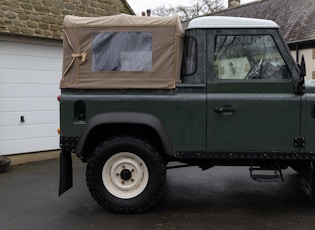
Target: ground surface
<point>219,198</point>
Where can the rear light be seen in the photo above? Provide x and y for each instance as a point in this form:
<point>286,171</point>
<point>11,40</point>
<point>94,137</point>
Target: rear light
<point>58,130</point>
<point>58,97</point>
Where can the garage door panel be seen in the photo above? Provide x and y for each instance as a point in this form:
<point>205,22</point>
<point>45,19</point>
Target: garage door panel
<point>30,76</point>
<point>22,49</point>
<point>28,131</point>
<point>30,117</point>
<point>28,91</point>
<point>29,145</point>
<point>29,104</point>
<point>29,63</point>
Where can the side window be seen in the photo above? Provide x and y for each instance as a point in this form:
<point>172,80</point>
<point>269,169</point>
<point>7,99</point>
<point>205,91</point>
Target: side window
<point>249,57</point>
<point>122,51</point>
<point>189,65</point>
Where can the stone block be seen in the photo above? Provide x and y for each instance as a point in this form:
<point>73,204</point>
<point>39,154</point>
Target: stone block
<point>80,8</point>
<point>24,17</point>
<point>11,15</point>
<point>75,1</point>
<point>94,4</point>
<point>60,21</point>
<point>69,6</point>
<point>85,2</point>
<point>91,10</point>
<point>35,18</point>
<point>42,9</point>
<point>101,12</point>
<point>56,34</point>
<point>32,24</point>
<point>14,29</point>
<point>27,6</point>
<point>54,27</point>
<point>13,3</point>
<point>102,6</point>
<point>48,19</point>
<point>59,4</point>
<point>47,33</point>
<point>66,12</point>
<point>27,31</point>
<point>39,32</point>
<point>48,3</point>
<point>56,11</point>
<point>43,26</point>
<point>18,23</point>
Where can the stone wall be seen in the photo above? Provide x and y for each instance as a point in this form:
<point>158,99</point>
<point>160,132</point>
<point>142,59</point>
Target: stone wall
<point>43,18</point>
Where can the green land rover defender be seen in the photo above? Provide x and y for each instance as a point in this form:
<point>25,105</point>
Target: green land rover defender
<point>140,92</point>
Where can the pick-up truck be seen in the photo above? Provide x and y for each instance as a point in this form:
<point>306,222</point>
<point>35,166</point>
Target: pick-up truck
<point>138,93</point>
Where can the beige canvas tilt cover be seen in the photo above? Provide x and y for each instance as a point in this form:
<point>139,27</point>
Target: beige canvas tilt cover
<point>121,52</point>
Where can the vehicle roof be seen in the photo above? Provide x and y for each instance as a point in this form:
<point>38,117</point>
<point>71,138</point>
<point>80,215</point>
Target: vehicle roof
<point>230,22</point>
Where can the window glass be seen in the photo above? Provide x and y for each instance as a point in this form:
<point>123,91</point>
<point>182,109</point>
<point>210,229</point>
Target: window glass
<point>190,56</point>
<point>122,51</point>
<point>249,57</point>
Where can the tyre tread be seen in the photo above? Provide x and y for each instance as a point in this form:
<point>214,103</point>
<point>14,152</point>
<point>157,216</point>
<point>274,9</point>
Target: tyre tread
<point>154,197</point>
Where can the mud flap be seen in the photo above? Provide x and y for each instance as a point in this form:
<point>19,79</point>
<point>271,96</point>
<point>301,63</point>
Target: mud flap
<point>65,181</point>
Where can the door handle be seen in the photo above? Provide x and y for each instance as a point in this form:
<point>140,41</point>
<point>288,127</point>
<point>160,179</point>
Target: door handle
<point>225,110</point>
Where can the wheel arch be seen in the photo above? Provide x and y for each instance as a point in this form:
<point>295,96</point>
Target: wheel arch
<point>123,123</point>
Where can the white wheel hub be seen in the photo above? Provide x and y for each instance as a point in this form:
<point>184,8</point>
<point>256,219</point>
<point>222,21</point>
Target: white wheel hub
<point>125,175</point>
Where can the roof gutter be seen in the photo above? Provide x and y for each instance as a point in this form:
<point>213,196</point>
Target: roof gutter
<point>302,44</point>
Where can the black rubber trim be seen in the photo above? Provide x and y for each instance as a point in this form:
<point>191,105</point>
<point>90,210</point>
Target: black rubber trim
<point>127,118</point>
<point>69,143</point>
<point>245,155</point>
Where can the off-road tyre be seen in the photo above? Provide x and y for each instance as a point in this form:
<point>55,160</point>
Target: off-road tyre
<point>126,174</point>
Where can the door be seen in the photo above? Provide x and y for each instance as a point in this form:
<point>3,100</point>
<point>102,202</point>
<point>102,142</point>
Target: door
<point>251,104</point>
<point>29,83</point>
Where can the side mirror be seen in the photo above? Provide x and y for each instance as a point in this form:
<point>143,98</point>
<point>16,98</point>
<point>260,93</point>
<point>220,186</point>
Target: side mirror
<point>300,86</point>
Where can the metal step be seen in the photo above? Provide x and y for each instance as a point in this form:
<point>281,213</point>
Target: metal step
<point>269,174</point>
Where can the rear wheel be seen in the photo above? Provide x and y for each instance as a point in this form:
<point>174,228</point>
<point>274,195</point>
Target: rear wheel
<point>126,174</point>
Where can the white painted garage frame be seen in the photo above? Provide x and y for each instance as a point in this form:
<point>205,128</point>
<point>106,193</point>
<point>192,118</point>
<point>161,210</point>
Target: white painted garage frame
<point>30,71</point>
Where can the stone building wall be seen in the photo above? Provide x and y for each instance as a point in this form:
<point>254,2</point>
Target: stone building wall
<point>43,18</point>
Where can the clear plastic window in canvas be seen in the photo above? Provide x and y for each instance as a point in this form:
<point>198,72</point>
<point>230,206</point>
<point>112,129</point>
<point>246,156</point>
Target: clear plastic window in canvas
<point>122,51</point>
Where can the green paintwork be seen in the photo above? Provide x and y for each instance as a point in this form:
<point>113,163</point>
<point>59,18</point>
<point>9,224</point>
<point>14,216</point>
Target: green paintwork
<point>308,117</point>
<point>182,114</point>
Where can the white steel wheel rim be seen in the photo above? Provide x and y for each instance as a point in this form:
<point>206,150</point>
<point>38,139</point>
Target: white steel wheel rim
<point>125,175</point>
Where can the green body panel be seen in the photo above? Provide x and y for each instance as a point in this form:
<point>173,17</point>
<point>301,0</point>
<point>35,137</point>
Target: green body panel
<point>261,122</point>
<point>182,114</point>
<point>308,118</point>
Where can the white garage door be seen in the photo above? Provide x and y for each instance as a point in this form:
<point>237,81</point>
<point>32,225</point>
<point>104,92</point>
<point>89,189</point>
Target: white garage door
<point>29,85</point>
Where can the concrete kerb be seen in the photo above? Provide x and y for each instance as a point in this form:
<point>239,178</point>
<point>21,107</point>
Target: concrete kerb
<point>33,157</point>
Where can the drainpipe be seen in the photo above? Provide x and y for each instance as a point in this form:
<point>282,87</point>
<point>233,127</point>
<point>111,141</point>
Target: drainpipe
<point>297,52</point>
